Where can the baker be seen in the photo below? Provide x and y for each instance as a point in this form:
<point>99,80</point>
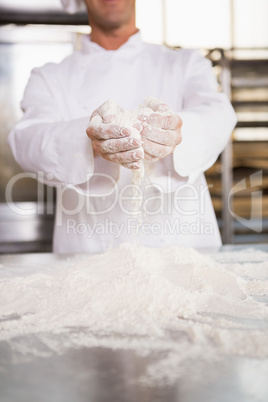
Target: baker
<point>92,166</point>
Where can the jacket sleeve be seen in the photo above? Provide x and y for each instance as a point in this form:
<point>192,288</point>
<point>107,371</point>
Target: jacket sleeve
<point>45,141</point>
<point>50,138</point>
<point>208,120</point>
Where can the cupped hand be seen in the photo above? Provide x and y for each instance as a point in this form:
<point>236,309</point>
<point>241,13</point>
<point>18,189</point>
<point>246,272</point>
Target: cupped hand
<point>114,142</point>
<point>161,131</point>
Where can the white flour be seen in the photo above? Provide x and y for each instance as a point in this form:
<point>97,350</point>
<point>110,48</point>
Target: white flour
<point>171,300</point>
<point>128,119</point>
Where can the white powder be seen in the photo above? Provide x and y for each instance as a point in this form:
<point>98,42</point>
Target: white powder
<point>171,300</point>
<point>118,116</point>
<point>128,119</point>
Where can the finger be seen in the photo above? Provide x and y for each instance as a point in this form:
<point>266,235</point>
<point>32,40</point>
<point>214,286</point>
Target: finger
<point>156,150</point>
<point>109,118</point>
<point>133,165</point>
<point>149,157</point>
<point>116,145</point>
<point>138,126</point>
<point>125,157</point>
<point>155,105</point>
<point>106,131</point>
<point>165,137</point>
<point>95,115</point>
<point>161,107</point>
<point>108,110</point>
<point>96,118</point>
<point>166,122</point>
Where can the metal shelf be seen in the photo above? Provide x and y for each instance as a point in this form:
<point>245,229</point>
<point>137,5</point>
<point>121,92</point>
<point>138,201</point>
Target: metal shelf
<point>252,124</point>
<point>244,77</point>
<point>47,18</point>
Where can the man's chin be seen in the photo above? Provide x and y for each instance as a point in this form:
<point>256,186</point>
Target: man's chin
<point>111,25</point>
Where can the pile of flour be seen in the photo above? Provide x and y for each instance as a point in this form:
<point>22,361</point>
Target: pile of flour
<point>171,300</point>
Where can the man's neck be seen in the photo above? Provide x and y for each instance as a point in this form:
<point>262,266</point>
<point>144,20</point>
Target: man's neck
<point>112,39</point>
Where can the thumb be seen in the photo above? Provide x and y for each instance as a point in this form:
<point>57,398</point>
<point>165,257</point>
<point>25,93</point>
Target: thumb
<point>156,105</point>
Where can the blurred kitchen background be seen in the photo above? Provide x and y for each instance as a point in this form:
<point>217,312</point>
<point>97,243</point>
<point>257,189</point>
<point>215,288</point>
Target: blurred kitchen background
<point>232,33</point>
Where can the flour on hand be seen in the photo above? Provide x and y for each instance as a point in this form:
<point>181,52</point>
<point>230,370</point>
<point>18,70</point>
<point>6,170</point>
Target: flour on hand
<point>112,113</point>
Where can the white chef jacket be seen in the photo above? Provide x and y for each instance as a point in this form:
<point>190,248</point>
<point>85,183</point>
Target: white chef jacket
<point>93,211</point>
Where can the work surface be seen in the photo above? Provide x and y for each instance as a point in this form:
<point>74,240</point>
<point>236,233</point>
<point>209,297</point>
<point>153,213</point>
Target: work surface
<point>219,353</point>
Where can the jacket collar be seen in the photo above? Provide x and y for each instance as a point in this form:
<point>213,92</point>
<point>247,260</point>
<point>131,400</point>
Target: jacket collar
<point>87,46</point>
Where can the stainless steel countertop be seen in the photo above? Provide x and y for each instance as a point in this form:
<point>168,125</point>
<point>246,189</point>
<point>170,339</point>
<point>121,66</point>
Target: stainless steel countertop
<point>102,374</point>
